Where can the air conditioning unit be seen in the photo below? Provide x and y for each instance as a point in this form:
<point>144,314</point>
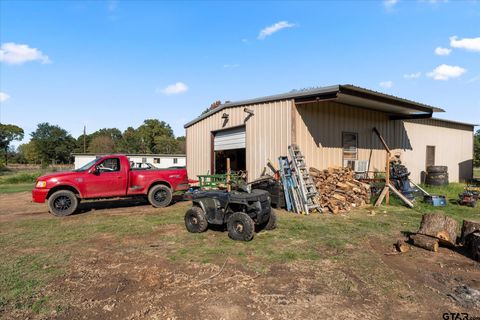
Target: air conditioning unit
<point>356,165</point>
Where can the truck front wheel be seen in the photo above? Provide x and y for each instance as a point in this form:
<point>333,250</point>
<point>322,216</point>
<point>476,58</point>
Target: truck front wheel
<point>160,196</point>
<point>62,203</point>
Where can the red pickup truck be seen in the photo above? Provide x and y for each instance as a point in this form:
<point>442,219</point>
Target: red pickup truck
<point>108,177</point>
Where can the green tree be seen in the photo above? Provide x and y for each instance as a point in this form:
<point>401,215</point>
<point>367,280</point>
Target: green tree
<point>102,144</point>
<point>29,152</point>
<point>132,142</point>
<point>166,145</point>
<point>476,149</point>
<point>53,143</point>
<point>9,133</point>
<point>151,129</point>
<point>182,144</point>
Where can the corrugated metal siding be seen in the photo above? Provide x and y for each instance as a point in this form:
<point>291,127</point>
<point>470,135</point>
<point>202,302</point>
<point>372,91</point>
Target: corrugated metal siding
<point>268,133</point>
<point>230,139</point>
<point>453,148</point>
<point>319,128</point>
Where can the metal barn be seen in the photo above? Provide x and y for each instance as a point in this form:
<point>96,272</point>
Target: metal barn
<point>333,126</point>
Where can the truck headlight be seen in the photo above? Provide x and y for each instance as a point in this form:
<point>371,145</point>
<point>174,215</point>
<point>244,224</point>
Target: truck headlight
<point>41,184</point>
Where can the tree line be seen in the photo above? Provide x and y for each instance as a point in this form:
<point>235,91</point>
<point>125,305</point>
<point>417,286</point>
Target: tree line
<point>52,144</point>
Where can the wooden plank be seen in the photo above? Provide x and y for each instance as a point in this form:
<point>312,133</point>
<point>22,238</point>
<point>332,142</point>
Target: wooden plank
<point>416,185</point>
<point>401,196</point>
<point>381,197</point>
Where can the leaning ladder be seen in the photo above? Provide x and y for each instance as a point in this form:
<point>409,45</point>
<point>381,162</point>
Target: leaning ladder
<point>307,189</point>
<point>290,187</point>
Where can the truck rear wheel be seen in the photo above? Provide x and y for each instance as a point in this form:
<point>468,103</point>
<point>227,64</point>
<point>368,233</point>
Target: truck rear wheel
<point>195,220</point>
<point>62,203</point>
<point>160,196</point>
<point>240,227</point>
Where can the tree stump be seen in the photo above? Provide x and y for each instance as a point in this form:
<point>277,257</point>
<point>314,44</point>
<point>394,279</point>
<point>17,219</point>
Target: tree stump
<point>468,228</point>
<point>425,242</point>
<point>439,226</point>
<point>473,245</point>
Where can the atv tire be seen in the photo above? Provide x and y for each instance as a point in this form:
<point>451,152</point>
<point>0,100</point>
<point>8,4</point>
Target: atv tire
<point>160,196</point>
<point>195,220</point>
<point>240,227</point>
<point>62,203</point>
<point>272,221</point>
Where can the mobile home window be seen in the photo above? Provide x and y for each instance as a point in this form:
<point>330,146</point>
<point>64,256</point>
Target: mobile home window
<point>349,145</point>
<point>156,160</point>
<point>175,160</point>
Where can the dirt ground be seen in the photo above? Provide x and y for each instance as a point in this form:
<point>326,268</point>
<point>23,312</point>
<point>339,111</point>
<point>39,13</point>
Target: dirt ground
<point>134,279</point>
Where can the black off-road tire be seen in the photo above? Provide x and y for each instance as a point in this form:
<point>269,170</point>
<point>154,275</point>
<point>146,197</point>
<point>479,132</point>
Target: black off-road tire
<point>160,196</point>
<point>272,221</point>
<point>195,220</point>
<point>437,169</point>
<point>62,203</point>
<point>240,227</point>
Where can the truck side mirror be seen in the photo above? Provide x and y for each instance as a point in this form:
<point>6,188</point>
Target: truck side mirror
<point>95,170</point>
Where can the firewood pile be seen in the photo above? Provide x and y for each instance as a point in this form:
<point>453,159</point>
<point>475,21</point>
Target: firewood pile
<point>338,191</point>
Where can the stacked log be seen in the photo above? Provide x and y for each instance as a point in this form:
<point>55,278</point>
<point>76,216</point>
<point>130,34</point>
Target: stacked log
<point>338,191</point>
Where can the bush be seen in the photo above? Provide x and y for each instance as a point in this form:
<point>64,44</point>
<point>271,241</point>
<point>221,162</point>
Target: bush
<point>20,178</point>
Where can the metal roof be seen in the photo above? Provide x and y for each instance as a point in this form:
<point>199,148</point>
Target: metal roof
<point>129,154</point>
<point>348,93</point>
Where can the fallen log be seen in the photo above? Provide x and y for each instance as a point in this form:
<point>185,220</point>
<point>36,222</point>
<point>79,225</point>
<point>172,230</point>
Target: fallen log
<point>425,242</point>
<point>468,227</point>
<point>439,226</point>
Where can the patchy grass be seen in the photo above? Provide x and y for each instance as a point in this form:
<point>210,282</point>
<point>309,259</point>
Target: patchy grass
<point>22,177</point>
<point>36,250</point>
<point>12,188</point>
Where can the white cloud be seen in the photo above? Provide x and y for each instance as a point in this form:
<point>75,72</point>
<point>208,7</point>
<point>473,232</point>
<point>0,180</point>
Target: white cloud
<point>268,31</point>
<point>386,84</point>
<point>389,3</point>
<point>4,97</point>
<point>445,72</point>
<point>176,88</point>
<point>231,66</point>
<point>439,51</point>
<point>470,44</point>
<point>415,75</point>
<point>14,53</point>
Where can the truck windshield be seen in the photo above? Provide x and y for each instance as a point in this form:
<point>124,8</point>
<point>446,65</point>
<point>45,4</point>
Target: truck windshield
<point>87,166</point>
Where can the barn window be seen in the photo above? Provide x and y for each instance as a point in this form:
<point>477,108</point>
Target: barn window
<point>349,145</point>
<point>156,160</point>
<point>175,160</point>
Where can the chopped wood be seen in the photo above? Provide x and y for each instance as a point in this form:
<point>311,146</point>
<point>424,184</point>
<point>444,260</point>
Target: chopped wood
<point>338,191</point>
<point>468,227</point>
<point>439,226</point>
<point>402,246</point>
<point>425,242</point>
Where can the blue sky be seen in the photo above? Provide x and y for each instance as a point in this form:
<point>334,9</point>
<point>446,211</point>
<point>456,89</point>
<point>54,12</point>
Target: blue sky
<point>116,63</point>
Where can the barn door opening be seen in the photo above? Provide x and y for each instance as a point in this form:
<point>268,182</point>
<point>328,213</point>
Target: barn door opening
<point>430,158</point>
<point>229,143</point>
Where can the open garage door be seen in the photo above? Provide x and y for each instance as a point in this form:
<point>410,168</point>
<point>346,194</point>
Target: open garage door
<point>230,143</point>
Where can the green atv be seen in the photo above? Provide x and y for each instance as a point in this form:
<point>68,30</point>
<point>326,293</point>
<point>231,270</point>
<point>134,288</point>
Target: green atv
<point>241,212</point>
